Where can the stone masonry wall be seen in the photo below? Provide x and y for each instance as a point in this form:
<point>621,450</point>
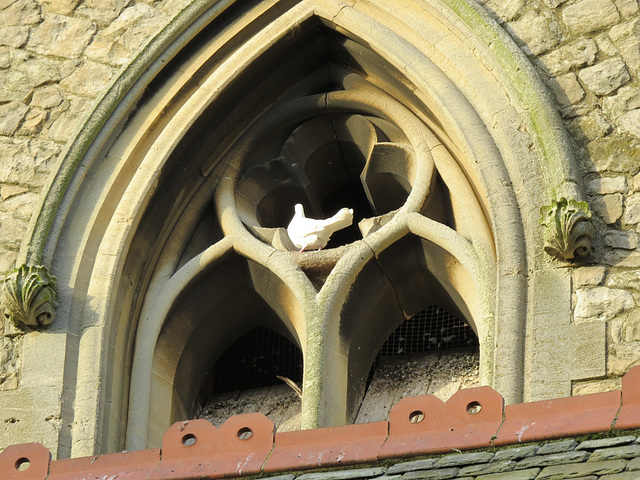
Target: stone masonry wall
<point>57,56</point>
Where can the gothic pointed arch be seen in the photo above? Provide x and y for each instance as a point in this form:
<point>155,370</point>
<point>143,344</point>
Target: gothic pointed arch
<point>164,224</point>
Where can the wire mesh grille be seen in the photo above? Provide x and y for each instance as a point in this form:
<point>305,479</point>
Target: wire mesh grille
<point>255,360</point>
<point>434,328</point>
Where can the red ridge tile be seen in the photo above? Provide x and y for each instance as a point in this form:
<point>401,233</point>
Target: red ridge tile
<point>467,420</point>
<point>629,415</point>
<point>562,417</point>
<point>130,465</point>
<point>198,449</point>
<point>324,447</point>
<point>28,461</point>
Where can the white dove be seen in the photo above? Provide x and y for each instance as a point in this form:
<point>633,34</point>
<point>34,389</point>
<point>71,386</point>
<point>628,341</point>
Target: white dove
<point>310,234</point>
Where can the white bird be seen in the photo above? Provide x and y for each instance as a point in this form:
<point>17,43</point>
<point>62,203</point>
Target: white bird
<point>310,234</point>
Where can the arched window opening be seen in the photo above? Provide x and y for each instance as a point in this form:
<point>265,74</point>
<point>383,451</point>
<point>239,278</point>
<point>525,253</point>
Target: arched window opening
<point>258,373</point>
<point>433,352</point>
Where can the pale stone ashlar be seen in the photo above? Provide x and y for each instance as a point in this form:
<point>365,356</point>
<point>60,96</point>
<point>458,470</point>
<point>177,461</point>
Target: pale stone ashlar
<point>29,297</point>
<point>568,230</point>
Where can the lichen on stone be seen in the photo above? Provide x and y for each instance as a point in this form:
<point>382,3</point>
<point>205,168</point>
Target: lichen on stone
<point>568,230</point>
<point>28,296</point>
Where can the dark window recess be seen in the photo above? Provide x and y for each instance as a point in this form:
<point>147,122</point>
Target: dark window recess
<point>255,361</point>
<point>434,328</point>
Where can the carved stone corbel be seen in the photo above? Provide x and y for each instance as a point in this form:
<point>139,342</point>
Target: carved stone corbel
<point>28,295</point>
<point>568,230</point>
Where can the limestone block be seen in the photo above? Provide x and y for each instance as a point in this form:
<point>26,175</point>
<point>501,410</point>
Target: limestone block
<point>630,122</point>
<point>13,230</point>
<point>627,7</point>
<point>621,239</point>
<point>507,10</point>
<point>604,185</point>
<point>20,205</point>
<point>606,46</point>
<point>596,386</point>
<point>47,97</point>
<point>590,127</point>
<point>17,83</point>
<point>553,3</point>
<point>622,258</point>
<point>27,162</point>
<point>8,191</point>
<point>632,209</point>
<point>608,207</point>
<point>11,115</point>
<point>601,303</point>
<point>125,35</point>
<point>626,98</point>
<point>589,15</point>
<point>62,36</point>
<point>70,114</point>
<point>8,259</point>
<point>622,357</point>
<point>615,153</point>
<point>578,54</point>
<point>63,7</point>
<point>21,12</point>
<point>636,183</point>
<point>102,11</point>
<point>625,279</point>
<point>539,32</point>
<point>589,276</point>
<point>33,122</point>
<point>566,89</point>
<point>10,349</point>
<point>5,58</point>
<point>605,77</point>
<point>89,80</point>
<point>630,51</point>
<point>14,36</point>
<point>624,30</point>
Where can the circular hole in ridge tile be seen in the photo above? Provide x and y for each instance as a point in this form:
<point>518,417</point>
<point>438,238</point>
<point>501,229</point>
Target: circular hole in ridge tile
<point>22,464</point>
<point>188,440</point>
<point>245,433</point>
<point>416,416</point>
<point>474,408</point>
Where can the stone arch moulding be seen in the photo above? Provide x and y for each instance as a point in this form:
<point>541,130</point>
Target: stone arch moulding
<point>128,227</point>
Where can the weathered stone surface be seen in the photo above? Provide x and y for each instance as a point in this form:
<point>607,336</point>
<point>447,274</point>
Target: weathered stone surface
<point>27,162</point>
<point>10,363</point>
<point>559,472</point>
<point>14,36</point>
<point>622,357</point>
<point>68,117</point>
<point>636,183</point>
<point>630,122</point>
<point>615,453</point>
<point>589,387</point>
<point>626,98</point>
<point>506,10</point>
<point>62,36</point>
<point>8,258</point>
<point>412,466</point>
<point>460,459</point>
<point>558,447</point>
<point>604,185</point>
<point>625,279</point>
<point>605,77</point>
<point>621,239</point>
<point>615,153</point>
<point>13,230</point>
<point>608,207</point>
<point>581,17</point>
<point>47,97</point>
<point>33,122</point>
<point>621,258</point>
<point>590,127</point>
<point>627,7</point>
<point>635,463</point>
<point>552,459</point>
<point>578,54</point>
<point>566,89</point>
<point>539,32</point>
<point>125,35</point>
<point>357,473</point>
<point>515,453</point>
<point>89,80</point>
<point>601,303</point>
<point>17,82</point>
<point>630,50</point>
<point>605,442</point>
<point>9,191</point>
<point>632,209</point>
<point>21,12</point>
<point>63,7</point>
<point>11,116</point>
<point>624,30</point>
<point>589,276</point>
<point>620,476</point>
<point>102,11</point>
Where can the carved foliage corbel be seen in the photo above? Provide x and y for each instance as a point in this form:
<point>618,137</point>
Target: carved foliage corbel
<point>28,296</point>
<point>568,229</point>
